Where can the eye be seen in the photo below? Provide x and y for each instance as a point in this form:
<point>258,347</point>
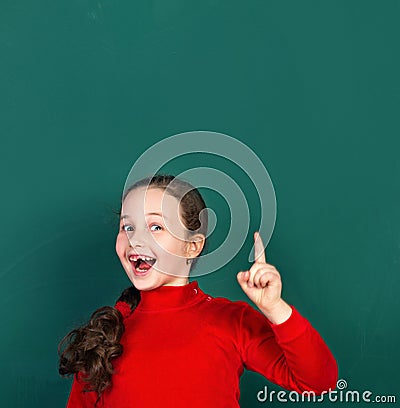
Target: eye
<point>124,227</point>
<point>156,225</point>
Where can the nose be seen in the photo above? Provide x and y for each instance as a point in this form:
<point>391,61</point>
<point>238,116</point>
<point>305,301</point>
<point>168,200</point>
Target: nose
<point>136,238</point>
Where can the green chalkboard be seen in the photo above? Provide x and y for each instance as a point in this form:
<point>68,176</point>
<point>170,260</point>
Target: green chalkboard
<point>312,87</point>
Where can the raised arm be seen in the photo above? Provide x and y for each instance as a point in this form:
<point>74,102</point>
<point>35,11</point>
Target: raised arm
<point>277,341</point>
<point>291,354</point>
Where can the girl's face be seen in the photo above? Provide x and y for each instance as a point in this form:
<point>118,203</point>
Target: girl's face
<point>150,225</point>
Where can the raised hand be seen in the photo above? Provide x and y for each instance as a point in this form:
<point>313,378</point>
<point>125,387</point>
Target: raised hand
<point>262,284</point>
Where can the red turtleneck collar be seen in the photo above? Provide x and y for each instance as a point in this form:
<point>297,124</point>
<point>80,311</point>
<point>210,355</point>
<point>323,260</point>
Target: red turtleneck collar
<point>170,297</point>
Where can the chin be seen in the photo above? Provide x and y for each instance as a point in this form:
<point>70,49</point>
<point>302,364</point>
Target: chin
<point>147,282</point>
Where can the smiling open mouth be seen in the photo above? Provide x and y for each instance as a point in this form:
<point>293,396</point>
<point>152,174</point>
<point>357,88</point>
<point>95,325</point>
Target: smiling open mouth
<point>141,263</point>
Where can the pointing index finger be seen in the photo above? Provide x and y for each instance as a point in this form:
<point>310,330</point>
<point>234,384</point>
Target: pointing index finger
<point>259,252</point>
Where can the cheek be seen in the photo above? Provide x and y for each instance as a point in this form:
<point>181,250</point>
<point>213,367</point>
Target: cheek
<point>174,247</point>
<point>121,244</point>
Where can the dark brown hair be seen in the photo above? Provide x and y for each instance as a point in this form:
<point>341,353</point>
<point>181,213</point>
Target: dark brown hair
<point>92,347</point>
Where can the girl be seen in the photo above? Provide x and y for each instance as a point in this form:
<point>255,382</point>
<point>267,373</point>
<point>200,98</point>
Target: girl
<point>166,343</point>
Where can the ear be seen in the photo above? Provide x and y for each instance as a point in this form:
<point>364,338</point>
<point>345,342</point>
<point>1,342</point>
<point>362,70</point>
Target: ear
<point>195,245</point>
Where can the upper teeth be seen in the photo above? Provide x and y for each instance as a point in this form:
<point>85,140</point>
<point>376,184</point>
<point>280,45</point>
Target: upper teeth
<point>136,257</point>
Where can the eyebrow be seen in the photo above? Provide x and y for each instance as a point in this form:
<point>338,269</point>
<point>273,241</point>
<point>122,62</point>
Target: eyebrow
<point>150,213</point>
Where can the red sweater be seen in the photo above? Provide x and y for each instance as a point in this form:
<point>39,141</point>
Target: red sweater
<point>184,348</point>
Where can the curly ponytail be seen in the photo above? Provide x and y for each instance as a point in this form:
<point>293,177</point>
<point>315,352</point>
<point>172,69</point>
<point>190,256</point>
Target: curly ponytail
<point>93,346</point>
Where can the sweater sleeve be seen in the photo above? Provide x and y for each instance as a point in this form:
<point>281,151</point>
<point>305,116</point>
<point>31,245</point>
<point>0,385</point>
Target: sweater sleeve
<point>292,354</point>
<point>78,398</point>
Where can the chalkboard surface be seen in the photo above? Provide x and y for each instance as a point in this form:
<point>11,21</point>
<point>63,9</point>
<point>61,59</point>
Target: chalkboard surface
<point>312,87</point>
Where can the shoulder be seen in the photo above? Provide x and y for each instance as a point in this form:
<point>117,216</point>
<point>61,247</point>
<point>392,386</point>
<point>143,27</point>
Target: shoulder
<point>228,309</point>
<point>238,312</point>
<point>236,319</point>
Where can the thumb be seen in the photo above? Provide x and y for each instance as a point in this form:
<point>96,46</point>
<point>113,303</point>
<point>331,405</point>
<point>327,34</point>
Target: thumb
<point>242,278</point>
